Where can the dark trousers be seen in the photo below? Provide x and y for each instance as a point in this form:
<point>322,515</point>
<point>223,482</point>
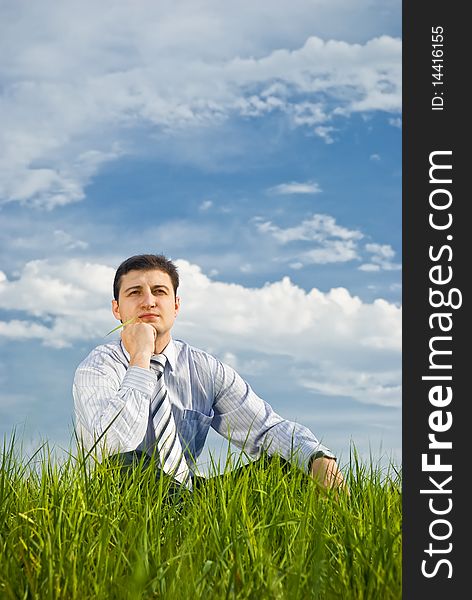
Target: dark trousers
<point>129,461</point>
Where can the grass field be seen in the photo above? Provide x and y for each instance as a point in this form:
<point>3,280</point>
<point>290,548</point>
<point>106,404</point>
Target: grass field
<point>70,531</point>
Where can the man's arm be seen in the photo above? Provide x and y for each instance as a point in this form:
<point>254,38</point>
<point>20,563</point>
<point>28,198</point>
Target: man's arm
<point>112,402</point>
<point>251,423</point>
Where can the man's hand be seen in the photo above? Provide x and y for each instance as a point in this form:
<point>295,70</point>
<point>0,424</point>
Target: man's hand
<point>139,339</point>
<point>326,473</point>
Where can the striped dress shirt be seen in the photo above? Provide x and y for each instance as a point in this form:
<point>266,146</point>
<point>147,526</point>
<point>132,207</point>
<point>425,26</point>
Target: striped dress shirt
<point>112,403</point>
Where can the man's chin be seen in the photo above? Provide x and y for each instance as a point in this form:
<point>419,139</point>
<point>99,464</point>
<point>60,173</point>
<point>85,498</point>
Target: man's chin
<point>158,329</point>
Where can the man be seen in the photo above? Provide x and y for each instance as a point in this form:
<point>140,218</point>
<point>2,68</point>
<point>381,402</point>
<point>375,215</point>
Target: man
<point>148,393</point>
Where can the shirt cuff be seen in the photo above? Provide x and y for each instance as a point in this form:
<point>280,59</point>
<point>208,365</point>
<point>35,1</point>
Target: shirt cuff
<point>139,379</point>
<point>309,453</point>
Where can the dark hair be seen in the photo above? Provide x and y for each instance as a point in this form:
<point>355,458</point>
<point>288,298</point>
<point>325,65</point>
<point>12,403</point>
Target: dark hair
<point>145,262</point>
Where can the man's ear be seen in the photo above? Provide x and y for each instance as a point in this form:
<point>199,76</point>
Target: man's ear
<point>177,305</point>
<point>115,310</point>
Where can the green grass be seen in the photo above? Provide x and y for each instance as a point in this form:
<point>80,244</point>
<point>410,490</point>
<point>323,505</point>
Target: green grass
<point>70,531</point>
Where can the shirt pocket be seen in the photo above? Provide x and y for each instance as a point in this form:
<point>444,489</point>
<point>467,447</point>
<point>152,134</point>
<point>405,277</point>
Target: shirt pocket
<point>194,430</point>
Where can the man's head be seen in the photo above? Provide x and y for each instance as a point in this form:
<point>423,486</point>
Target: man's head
<point>145,262</point>
<point>145,289</point>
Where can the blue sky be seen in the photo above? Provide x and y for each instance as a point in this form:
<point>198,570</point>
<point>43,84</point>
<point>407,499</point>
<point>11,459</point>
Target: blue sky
<point>259,147</point>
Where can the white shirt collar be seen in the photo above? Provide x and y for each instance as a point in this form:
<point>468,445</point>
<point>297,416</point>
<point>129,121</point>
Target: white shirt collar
<point>169,351</point>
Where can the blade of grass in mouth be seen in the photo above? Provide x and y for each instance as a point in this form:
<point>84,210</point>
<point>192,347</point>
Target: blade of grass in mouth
<point>122,325</point>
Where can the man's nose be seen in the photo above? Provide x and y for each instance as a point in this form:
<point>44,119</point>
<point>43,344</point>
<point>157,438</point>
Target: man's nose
<point>148,299</point>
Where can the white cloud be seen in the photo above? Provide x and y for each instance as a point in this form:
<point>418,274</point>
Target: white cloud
<point>83,84</point>
<point>332,242</point>
<point>71,294</point>
<point>62,238</point>
<point>381,251</point>
<point>332,251</point>
<point>320,240</point>
<point>396,122</point>
<point>335,343</point>
<point>325,133</point>
<point>317,228</point>
<point>369,267</point>
<point>381,258</point>
<point>326,335</point>
<point>295,187</point>
<point>205,205</point>
<point>383,388</point>
<point>309,114</point>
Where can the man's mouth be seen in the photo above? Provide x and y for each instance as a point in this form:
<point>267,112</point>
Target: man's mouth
<point>147,316</point>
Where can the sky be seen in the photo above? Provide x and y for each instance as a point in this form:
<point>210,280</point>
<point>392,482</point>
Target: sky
<point>258,145</point>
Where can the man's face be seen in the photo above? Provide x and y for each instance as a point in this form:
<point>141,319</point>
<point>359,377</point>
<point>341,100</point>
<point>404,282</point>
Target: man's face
<point>149,296</point>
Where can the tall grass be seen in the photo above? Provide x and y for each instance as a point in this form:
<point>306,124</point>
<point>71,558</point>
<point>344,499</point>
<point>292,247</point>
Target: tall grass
<point>71,531</point>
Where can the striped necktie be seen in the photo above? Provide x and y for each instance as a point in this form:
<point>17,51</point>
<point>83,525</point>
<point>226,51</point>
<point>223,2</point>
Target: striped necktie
<point>171,456</point>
